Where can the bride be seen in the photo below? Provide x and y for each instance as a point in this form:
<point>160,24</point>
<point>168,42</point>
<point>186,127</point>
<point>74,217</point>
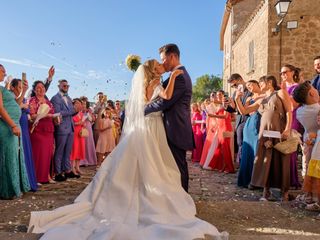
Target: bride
<point>137,193</point>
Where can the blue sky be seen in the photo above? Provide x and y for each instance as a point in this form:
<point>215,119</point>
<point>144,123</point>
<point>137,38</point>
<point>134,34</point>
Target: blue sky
<point>88,41</point>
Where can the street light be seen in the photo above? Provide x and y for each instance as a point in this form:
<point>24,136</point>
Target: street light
<point>282,7</point>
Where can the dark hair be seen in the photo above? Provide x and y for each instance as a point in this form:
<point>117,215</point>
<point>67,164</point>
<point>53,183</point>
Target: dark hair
<point>296,72</point>
<point>262,78</point>
<point>76,99</point>
<point>220,91</point>
<point>14,82</point>
<point>100,93</point>
<point>1,65</point>
<point>62,81</point>
<point>110,104</point>
<point>300,93</point>
<point>170,48</point>
<point>316,58</point>
<point>85,99</point>
<point>35,84</point>
<point>253,81</point>
<point>273,80</point>
<point>234,76</point>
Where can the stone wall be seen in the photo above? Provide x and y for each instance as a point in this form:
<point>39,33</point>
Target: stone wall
<point>227,56</point>
<point>256,31</point>
<point>297,46</point>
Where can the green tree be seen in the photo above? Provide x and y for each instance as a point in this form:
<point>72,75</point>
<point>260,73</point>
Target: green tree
<point>204,86</point>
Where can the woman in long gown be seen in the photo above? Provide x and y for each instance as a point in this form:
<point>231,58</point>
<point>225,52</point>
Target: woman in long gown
<point>42,136</point>
<point>211,141</point>
<point>91,157</point>
<point>250,134</point>
<point>13,174</point>
<point>290,79</point>
<point>137,193</point>
<point>15,87</point>
<point>197,133</point>
<point>222,159</point>
<point>272,168</point>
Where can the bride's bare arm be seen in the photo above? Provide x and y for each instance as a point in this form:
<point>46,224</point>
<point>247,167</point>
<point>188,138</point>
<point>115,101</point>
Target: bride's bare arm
<point>167,93</point>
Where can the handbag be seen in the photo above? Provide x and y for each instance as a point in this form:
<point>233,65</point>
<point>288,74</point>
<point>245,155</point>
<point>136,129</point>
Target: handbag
<point>84,132</point>
<point>290,145</point>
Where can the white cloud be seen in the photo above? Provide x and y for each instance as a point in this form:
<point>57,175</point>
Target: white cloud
<point>24,62</point>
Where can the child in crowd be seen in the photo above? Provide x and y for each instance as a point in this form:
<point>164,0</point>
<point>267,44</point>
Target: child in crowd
<point>106,141</point>
<point>307,114</point>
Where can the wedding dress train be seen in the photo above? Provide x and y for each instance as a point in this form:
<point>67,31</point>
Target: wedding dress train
<point>136,194</point>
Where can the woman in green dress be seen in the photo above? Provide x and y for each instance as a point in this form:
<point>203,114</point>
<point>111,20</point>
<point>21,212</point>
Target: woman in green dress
<point>13,175</point>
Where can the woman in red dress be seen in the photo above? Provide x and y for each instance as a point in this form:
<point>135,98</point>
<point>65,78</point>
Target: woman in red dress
<point>78,149</point>
<point>42,139</point>
<point>197,132</point>
<point>222,159</point>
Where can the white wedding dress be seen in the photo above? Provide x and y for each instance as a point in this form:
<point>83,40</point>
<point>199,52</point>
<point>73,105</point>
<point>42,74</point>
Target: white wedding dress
<point>136,194</point>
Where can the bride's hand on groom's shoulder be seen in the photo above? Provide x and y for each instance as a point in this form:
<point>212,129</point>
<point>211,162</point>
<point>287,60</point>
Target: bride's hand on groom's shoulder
<point>177,72</point>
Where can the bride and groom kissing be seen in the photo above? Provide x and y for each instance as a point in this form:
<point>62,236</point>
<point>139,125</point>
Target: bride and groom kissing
<point>137,192</point>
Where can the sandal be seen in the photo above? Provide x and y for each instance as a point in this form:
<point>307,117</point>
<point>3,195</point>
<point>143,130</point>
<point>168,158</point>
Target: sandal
<point>304,198</point>
<point>315,207</point>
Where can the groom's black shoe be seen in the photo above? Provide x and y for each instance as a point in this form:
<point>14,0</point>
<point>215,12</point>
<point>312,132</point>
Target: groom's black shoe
<point>59,178</point>
<point>71,175</point>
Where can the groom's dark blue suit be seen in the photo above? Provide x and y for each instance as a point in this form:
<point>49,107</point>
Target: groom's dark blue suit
<point>177,121</point>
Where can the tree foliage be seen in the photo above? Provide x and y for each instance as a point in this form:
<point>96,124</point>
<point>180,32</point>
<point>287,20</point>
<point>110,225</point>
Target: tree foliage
<point>204,86</point>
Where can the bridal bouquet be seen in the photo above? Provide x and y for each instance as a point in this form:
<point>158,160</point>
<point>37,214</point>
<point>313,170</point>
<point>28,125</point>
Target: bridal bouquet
<point>42,112</point>
<point>133,62</point>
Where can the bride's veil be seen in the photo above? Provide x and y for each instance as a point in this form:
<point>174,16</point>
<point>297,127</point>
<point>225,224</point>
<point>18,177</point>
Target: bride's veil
<point>134,109</point>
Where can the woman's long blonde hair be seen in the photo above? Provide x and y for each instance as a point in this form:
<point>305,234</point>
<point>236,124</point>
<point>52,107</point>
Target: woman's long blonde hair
<point>149,74</point>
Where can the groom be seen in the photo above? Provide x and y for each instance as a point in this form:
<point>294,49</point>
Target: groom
<point>176,111</point>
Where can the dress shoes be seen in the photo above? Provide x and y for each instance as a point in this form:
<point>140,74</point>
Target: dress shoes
<point>60,178</point>
<point>71,175</point>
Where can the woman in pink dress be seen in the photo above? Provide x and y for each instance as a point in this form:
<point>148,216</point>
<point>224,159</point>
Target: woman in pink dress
<point>222,159</point>
<point>90,157</point>
<point>78,149</point>
<point>42,139</point>
<point>210,143</point>
<point>106,141</point>
<point>197,132</point>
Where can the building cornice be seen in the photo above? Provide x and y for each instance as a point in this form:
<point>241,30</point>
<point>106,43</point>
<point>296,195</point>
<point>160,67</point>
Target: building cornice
<point>225,19</point>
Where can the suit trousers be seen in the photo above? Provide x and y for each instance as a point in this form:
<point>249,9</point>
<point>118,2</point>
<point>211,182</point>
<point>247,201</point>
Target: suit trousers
<point>180,157</point>
<point>62,152</point>
<point>239,131</point>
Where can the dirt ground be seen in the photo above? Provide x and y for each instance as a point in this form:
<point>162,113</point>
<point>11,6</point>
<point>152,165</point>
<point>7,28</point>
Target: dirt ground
<point>219,201</point>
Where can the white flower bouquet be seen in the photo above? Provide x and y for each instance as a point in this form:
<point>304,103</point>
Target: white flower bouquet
<point>42,112</point>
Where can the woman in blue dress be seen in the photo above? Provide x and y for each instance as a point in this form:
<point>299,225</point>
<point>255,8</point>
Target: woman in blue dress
<point>250,135</point>
<point>13,175</point>
<point>16,88</point>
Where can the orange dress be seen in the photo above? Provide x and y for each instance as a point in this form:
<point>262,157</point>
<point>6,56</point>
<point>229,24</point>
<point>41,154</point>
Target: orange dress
<point>78,149</point>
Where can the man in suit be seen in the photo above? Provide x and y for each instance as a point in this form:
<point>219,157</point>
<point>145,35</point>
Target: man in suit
<point>316,80</point>
<point>235,80</point>
<point>63,132</point>
<point>176,111</point>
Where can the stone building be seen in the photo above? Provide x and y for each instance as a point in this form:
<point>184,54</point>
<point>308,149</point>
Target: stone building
<point>253,46</point>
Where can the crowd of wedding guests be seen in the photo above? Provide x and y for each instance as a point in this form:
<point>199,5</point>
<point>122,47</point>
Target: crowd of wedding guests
<point>246,128</point>
<point>44,141</point>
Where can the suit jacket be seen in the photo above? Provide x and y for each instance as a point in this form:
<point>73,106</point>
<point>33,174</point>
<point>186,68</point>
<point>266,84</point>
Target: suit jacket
<point>67,111</point>
<point>240,118</point>
<point>316,82</point>
<point>176,112</point>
